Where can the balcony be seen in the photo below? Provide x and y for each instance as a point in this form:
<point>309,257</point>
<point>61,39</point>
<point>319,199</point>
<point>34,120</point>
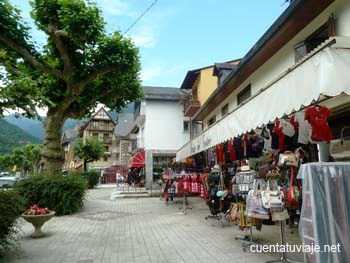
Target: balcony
<point>191,107</point>
<point>107,140</point>
<point>137,144</point>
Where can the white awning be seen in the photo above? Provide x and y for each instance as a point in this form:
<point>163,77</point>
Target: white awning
<point>324,72</point>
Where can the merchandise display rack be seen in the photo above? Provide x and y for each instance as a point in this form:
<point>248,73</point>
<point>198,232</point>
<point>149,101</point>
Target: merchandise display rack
<point>284,257</point>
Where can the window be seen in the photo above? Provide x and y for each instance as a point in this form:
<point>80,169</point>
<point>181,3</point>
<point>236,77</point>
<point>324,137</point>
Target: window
<point>224,110</point>
<point>212,120</point>
<point>314,40</point>
<point>244,94</point>
<point>105,158</point>
<point>95,124</point>
<point>186,126</point>
<point>106,125</point>
<point>95,135</point>
<point>106,148</point>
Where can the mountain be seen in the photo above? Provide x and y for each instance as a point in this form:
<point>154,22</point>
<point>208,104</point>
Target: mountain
<point>35,127</point>
<point>11,137</point>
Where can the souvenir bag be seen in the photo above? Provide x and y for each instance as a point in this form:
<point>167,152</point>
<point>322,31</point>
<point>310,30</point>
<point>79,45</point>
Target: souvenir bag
<point>254,201</point>
<point>293,195</point>
<point>340,148</point>
<point>273,200</point>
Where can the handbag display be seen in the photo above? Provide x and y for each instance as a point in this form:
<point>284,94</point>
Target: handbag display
<point>254,203</point>
<point>279,216</point>
<point>293,193</point>
<point>273,200</point>
<point>340,148</point>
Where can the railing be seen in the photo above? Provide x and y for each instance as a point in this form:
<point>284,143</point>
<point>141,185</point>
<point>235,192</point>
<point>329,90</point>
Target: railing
<point>190,107</point>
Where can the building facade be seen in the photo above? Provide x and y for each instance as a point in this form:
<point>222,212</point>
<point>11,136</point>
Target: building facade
<point>101,126</point>
<point>159,129</point>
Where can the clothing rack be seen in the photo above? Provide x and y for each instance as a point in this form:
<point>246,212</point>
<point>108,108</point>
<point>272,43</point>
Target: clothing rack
<point>185,205</point>
<point>284,257</point>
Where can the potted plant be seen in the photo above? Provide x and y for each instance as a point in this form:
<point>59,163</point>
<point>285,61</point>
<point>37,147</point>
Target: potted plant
<point>37,216</point>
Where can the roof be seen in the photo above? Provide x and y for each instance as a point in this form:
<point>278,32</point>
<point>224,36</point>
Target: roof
<point>124,125</point>
<point>69,135</point>
<point>162,93</point>
<point>192,75</point>
<point>84,124</point>
<point>223,66</point>
<point>298,15</point>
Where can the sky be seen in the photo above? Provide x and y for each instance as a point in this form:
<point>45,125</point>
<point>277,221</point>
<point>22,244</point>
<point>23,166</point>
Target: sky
<point>175,36</point>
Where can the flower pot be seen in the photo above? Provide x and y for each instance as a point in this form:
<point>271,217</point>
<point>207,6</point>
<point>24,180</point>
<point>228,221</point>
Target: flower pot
<point>38,221</point>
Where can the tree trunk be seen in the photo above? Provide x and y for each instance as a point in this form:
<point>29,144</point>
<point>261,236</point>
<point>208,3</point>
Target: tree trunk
<point>53,153</point>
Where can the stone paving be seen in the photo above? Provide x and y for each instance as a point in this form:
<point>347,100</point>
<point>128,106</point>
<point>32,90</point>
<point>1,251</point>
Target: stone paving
<point>138,230</point>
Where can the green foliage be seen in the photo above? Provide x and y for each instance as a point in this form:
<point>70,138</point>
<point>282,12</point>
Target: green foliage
<point>89,150</point>
<point>12,137</point>
<point>92,177</point>
<point>62,194</point>
<point>11,205</point>
<point>79,66</point>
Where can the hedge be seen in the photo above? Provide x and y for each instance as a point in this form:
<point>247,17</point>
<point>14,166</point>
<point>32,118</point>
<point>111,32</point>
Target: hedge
<point>62,194</point>
<point>11,206</point>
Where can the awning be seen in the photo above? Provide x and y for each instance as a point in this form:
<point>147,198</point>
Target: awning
<point>324,72</point>
<point>138,160</point>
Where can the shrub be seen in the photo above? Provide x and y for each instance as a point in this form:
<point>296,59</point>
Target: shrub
<point>11,206</point>
<point>62,194</point>
<point>91,177</point>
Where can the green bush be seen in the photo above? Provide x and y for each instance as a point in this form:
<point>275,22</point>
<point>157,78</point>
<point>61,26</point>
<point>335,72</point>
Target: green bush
<point>91,177</point>
<point>62,194</point>
<point>11,206</point>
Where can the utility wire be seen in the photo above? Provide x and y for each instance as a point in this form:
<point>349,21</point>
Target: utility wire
<point>138,19</point>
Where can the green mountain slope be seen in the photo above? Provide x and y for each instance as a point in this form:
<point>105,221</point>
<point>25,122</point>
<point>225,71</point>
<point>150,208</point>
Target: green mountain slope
<point>11,137</point>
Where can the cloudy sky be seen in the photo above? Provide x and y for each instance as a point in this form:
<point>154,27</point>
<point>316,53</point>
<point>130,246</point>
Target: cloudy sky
<point>180,35</point>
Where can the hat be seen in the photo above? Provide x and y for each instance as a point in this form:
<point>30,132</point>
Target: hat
<point>224,193</point>
<point>216,169</point>
<point>219,193</point>
<point>245,168</point>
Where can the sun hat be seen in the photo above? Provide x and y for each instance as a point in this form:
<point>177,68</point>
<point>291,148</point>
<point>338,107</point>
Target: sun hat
<point>219,193</point>
<point>245,168</point>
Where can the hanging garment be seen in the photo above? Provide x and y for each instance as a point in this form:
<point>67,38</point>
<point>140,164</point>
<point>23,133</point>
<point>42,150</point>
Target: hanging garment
<point>317,116</point>
<point>278,130</point>
<point>274,136</point>
<point>304,128</point>
<point>220,155</point>
<point>287,128</point>
<point>231,149</point>
<point>266,134</point>
<point>238,148</point>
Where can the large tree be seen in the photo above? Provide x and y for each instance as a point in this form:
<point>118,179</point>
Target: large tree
<point>79,66</point>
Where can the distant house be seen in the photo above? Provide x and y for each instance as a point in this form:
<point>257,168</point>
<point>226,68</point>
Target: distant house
<point>158,131</point>
<point>121,144</point>
<point>68,138</point>
<point>100,125</point>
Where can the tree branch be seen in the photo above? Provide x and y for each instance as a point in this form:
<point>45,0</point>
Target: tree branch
<point>30,58</point>
<point>95,75</point>
<point>62,49</point>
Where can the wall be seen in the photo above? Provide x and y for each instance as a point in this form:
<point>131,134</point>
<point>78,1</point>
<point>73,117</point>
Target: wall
<point>164,126</point>
<point>206,85</point>
<point>284,58</point>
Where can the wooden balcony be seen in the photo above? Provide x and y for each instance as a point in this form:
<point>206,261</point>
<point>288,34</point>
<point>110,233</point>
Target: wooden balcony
<point>191,107</point>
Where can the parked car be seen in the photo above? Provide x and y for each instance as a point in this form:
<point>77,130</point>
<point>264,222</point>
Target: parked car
<point>4,174</point>
<point>7,182</point>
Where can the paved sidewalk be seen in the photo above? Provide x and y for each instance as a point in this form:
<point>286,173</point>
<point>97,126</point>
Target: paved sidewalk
<point>138,230</point>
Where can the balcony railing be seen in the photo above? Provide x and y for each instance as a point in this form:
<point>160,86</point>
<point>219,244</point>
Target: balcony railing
<point>107,140</point>
<point>191,107</point>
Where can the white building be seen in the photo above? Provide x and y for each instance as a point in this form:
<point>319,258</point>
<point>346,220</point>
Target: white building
<point>160,129</point>
<point>302,59</point>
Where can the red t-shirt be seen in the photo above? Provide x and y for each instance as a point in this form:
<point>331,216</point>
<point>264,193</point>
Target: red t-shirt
<point>317,117</point>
